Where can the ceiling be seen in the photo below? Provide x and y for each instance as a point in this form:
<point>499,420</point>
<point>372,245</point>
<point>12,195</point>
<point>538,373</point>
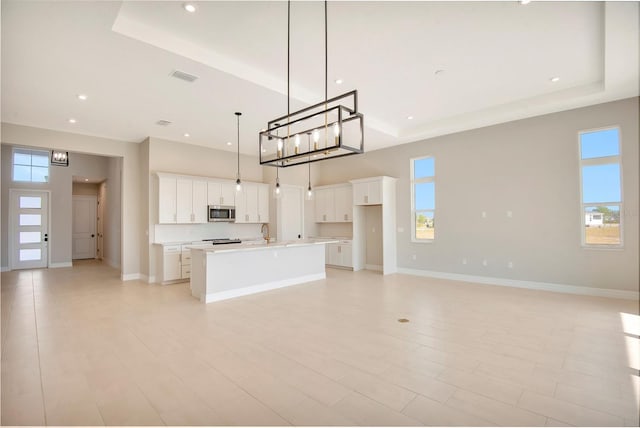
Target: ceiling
<point>452,66</point>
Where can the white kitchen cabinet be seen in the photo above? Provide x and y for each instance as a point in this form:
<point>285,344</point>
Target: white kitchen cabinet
<point>340,254</point>
<point>343,197</point>
<point>167,202</point>
<point>325,205</point>
<point>181,199</point>
<point>252,204</point>
<point>185,262</point>
<point>367,192</point>
<point>191,201</point>
<point>334,204</point>
<point>221,193</point>
<point>171,266</point>
<point>263,203</point>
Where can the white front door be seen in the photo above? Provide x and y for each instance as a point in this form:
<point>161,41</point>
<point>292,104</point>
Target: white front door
<point>290,213</point>
<point>29,228</point>
<point>84,227</point>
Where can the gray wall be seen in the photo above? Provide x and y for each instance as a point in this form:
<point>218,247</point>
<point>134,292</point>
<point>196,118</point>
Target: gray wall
<point>529,167</point>
<point>60,185</point>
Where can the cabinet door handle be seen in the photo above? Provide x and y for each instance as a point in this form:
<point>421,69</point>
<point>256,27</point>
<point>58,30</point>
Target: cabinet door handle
<point>346,216</point>
<point>221,200</point>
<point>339,249</point>
<point>324,217</point>
<point>258,218</point>
<point>175,217</point>
<point>366,199</point>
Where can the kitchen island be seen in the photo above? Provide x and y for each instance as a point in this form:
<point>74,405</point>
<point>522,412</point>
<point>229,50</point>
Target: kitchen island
<point>233,270</point>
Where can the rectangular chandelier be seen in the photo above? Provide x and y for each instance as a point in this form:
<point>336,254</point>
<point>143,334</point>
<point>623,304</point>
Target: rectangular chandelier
<point>327,130</point>
<point>59,158</point>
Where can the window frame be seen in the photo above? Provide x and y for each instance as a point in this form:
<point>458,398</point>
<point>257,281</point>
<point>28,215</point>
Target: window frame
<point>603,160</point>
<point>30,152</point>
<point>412,182</point>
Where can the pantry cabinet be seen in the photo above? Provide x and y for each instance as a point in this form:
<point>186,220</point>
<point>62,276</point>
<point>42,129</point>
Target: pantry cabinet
<point>367,192</point>
<point>167,199</point>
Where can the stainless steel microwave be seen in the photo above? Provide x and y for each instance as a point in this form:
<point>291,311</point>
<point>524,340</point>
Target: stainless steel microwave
<point>222,213</point>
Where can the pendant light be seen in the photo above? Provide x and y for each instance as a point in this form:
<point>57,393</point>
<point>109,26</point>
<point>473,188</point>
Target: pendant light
<point>335,122</point>
<point>238,181</point>
<point>309,195</point>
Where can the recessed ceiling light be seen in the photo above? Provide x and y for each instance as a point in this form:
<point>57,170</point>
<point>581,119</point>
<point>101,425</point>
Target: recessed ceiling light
<point>525,1</point>
<point>228,143</point>
<point>86,179</point>
<point>339,81</point>
<point>189,7</point>
<point>186,134</point>
<point>554,79</point>
<point>410,117</point>
<point>82,97</point>
<point>438,72</point>
<point>72,120</point>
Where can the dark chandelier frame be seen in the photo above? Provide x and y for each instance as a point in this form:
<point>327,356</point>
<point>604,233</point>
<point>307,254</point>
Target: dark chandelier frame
<point>285,155</point>
<point>315,154</point>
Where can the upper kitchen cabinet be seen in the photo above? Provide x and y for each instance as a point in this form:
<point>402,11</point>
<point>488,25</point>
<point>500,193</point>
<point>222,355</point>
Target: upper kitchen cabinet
<point>181,199</point>
<point>221,193</point>
<point>367,191</point>
<point>252,204</point>
<point>343,197</point>
<point>334,204</point>
<point>167,198</point>
<point>325,205</point>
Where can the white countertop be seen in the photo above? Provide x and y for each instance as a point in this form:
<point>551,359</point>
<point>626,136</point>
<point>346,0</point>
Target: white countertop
<point>258,245</point>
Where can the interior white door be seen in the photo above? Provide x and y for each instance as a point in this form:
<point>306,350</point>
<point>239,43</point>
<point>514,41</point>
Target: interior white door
<point>290,213</point>
<point>29,220</point>
<point>84,227</point>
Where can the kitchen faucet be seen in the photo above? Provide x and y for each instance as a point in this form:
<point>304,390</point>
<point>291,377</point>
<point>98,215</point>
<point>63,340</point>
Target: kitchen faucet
<point>266,237</point>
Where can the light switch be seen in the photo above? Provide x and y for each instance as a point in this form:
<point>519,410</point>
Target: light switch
<point>484,214</point>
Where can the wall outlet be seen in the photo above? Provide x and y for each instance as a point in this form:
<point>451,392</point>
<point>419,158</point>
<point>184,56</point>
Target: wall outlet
<point>484,214</point>
<point>509,214</point>
<point>413,257</point>
<point>510,265</point>
<point>485,263</point>
<point>464,261</point>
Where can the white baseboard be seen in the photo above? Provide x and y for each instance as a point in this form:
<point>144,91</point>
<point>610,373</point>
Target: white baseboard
<point>151,279</point>
<point>60,265</point>
<point>230,294</point>
<point>111,263</point>
<point>130,276</point>
<point>377,268</point>
<point>533,285</point>
<point>4,269</point>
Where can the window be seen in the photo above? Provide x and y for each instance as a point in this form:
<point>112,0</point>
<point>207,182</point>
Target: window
<point>30,165</point>
<point>601,186</point>
<point>423,198</point>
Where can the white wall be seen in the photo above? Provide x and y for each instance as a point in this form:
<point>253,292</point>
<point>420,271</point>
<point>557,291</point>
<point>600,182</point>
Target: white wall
<point>130,180</point>
<point>85,189</point>
<point>112,226</point>
<point>60,185</point>
<point>529,167</point>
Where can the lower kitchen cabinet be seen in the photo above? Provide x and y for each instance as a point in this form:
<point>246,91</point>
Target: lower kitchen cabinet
<point>175,263</point>
<point>340,254</point>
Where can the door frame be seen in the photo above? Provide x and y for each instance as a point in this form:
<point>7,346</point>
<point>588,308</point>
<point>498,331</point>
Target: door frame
<point>13,224</point>
<point>300,190</point>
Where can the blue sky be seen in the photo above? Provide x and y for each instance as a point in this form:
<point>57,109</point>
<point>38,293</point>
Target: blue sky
<point>425,192</point>
<point>600,183</point>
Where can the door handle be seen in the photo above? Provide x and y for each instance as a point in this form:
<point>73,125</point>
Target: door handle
<point>46,237</point>
<point>92,235</point>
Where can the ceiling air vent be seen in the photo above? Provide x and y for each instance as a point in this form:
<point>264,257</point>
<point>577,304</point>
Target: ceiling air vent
<point>184,76</point>
<point>163,123</point>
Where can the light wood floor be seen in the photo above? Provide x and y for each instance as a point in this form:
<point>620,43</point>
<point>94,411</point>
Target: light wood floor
<point>81,347</point>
